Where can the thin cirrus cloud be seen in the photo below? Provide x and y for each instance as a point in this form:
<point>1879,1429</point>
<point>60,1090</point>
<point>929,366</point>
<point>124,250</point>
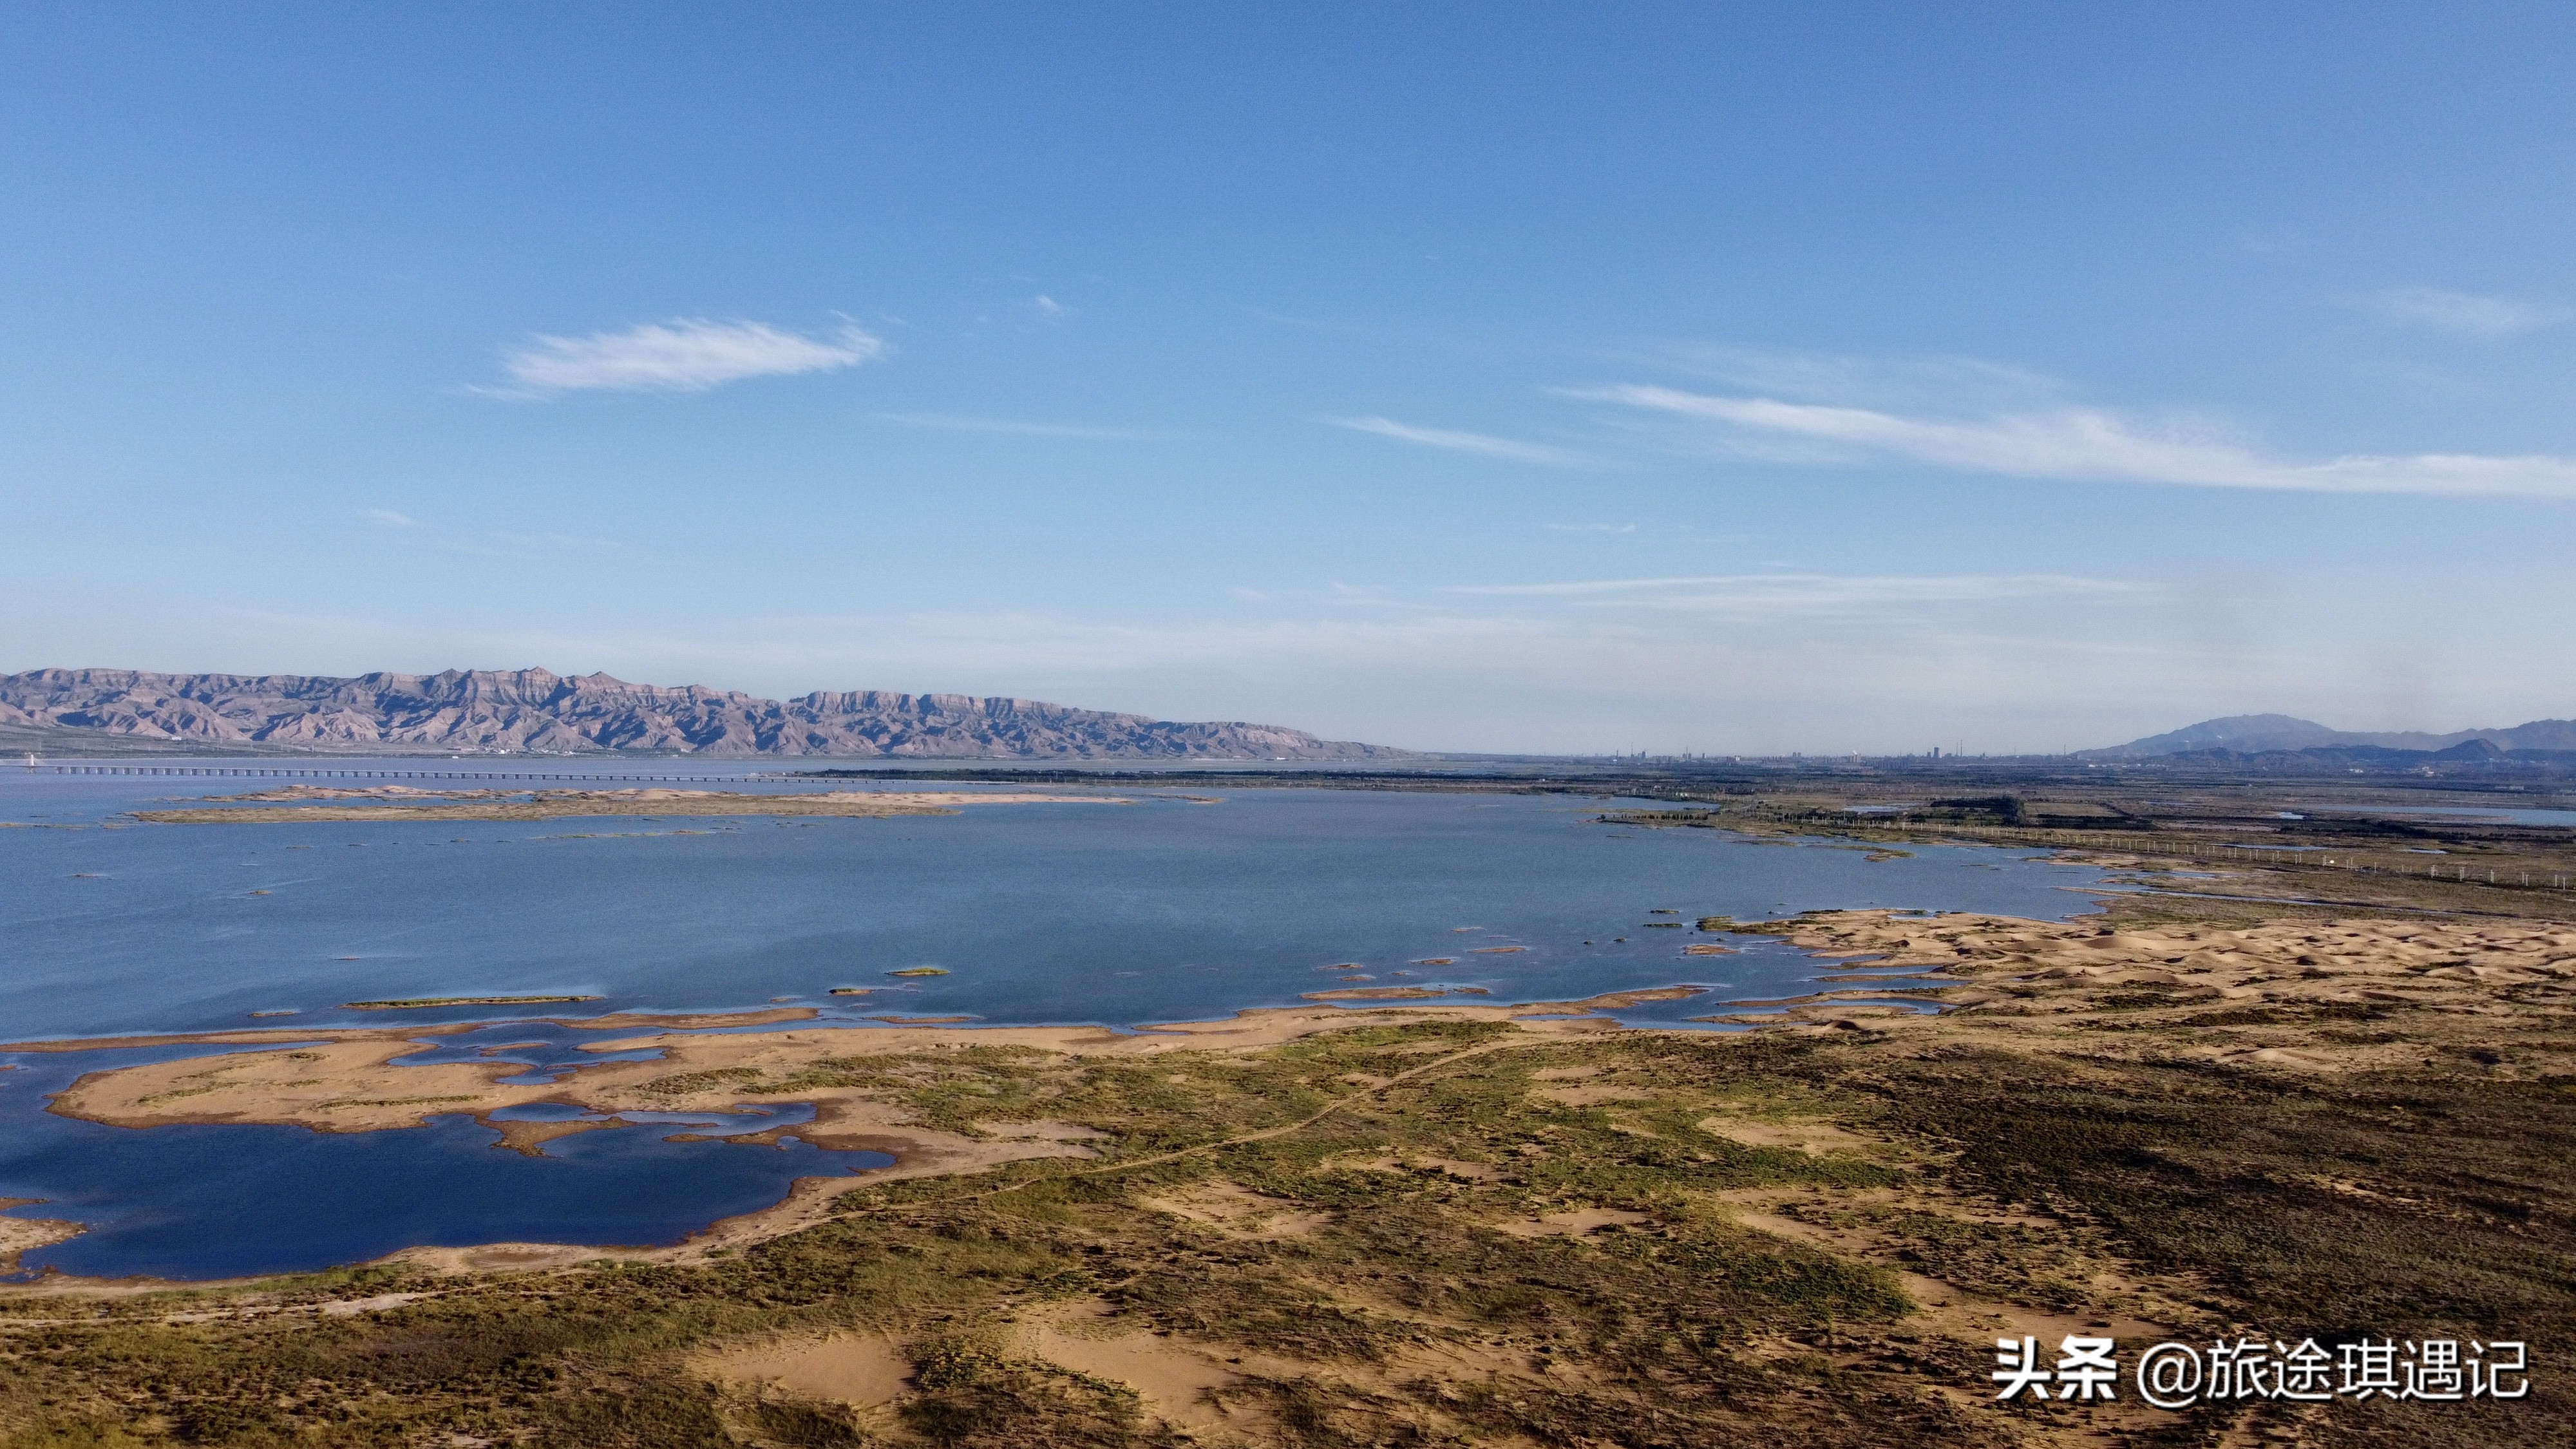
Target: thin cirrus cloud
<point>1807,592</point>
<point>1457,442</point>
<point>686,354</point>
<point>2090,445</point>
<point>2465,313</point>
<point>1920,380</point>
<point>1011,427</point>
<point>490,542</point>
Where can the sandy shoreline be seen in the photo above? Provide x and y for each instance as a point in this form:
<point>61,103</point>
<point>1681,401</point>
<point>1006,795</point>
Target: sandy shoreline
<point>257,1036</point>
<point>350,1079</point>
<point>21,1235</point>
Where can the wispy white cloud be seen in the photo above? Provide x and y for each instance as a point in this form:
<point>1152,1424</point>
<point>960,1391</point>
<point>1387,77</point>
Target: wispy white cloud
<point>1903,382</point>
<point>507,540</point>
<point>687,354</point>
<point>957,423</point>
<point>2090,445</point>
<point>486,542</point>
<point>1807,592</point>
<point>2466,313</point>
<point>1477,443</point>
<point>1049,307</point>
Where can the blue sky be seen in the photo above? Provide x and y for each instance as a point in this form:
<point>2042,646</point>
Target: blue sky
<point>1720,378</point>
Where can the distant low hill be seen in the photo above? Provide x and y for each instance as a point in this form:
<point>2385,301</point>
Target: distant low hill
<point>2257,734</point>
<point>535,710</point>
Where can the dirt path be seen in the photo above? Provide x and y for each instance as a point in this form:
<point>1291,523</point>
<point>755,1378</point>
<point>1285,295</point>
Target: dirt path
<point>1242,1138</point>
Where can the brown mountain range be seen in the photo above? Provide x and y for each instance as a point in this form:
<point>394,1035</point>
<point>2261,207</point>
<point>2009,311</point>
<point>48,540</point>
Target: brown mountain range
<point>535,710</point>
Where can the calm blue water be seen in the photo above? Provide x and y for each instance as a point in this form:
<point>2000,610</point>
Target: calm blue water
<point>1163,910</point>
<point>218,1202</point>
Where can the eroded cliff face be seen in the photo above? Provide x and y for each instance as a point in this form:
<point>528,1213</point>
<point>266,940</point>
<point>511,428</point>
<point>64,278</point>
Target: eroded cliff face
<point>534,709</point>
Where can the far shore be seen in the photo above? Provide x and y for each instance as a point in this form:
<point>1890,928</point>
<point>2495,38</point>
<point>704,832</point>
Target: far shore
<point>300,804</point>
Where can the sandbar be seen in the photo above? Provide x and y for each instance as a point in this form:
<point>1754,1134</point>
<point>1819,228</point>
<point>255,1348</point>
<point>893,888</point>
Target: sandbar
<point>417,1003</point>
<point>400,803</point>
<point>1393,993</point>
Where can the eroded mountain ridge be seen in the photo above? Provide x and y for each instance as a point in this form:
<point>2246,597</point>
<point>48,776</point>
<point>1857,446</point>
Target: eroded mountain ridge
<point>535,709</point>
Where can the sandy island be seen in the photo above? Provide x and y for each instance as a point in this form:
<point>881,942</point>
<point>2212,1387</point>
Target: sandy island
<point>20,1235</point>
<point>296,804</point>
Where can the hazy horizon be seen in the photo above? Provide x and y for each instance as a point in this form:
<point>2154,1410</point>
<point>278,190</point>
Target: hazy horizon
<point>1958,748</point>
